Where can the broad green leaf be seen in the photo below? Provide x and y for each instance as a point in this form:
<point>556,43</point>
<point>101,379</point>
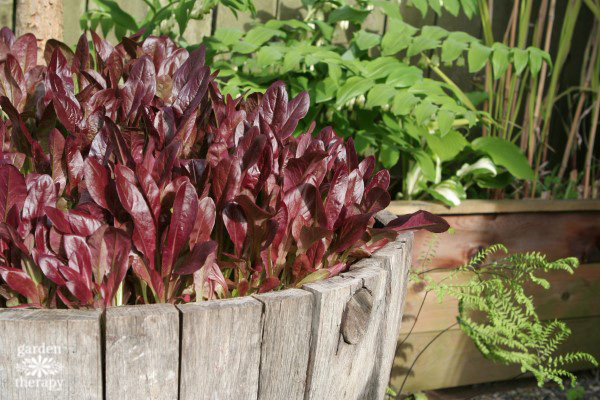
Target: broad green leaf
<point>452,49</point>
<point>499,59</point>
<point>415,131</point>
<point>389,8</point>
<point>404,103</point>
<point>325,90</point>
<point>445,119</point>
<point>469,7</point>
<point>243,47</point>
<point>259,35</point>
<point>335,72</point>
<point>428,87</point>
<point>536,56</point>
<point>483,166</point>
<point>228,36</point>
<point>381,67</point>
<point>478,56</point>
<point>389,155</point>
<point>448,146</point>
<point>462,37</point>
<point>506,154</point>
<point>477,97</point>
<point>426,163</point>
<point>421,5</point>
<point>420,44</point>
<point>365,40</point>
<point>291,60</point>
<point>394,42</point>
<point>452,6</point>
<point>436,6</point>
<point>450,192</point>
<point>380,94</point>
<point>520,58</point>
<point>117,14</point>
<point>326,29</point>
<point>347,13</point>
<point>267,56</point>
<point>353,87</point>
<point>434,32</point>
<point>424,111</point>
<point>404,76</point>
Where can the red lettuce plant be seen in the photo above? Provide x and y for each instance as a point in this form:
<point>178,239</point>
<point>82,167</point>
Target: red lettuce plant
<point>126,177</point>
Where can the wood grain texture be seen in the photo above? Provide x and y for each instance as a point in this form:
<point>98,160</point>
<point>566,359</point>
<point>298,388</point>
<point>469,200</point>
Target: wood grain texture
<point>396,259</point>
<point>340,370</point>
<point>42,354</point>
<point>494,206</point>
<point>220,351</point>
<point>569,296</point>
<point>453,360</point>
<point>556,235</point>
<point>43,18</point>
<point>142,352</point>
<point>287,317</point>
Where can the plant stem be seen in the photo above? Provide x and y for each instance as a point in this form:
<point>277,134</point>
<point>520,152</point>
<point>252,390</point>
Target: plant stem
<point>579,109</point>
<point>590,150</point>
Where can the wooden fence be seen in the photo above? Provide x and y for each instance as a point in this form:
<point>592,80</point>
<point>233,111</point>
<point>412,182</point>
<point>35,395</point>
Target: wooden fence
<point>333,339</point>
<point>557,229</point>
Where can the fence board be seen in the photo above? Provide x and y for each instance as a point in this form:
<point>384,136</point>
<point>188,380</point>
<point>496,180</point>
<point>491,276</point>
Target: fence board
<point>50,354</point>
<point>265,10</point>
<point>6,13</point>
<point>142,352</point>
<point>73,10</point>
<point>285,345</point>
<point>220,351</point>
<point>569,296</point>
<point>343,367</point>
<point>453,360</point>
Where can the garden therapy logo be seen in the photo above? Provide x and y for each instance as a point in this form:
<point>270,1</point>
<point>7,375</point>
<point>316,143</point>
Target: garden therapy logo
<point>39,367</point>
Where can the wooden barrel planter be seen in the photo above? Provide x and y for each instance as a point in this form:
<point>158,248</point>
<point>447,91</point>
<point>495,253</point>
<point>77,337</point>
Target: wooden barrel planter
<point>557,229</point>
<point>333,339</point>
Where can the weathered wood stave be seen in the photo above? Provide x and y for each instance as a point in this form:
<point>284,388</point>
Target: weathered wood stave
<point>286,344</point>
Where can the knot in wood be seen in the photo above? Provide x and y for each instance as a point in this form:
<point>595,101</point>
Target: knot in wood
<point>355,320</point>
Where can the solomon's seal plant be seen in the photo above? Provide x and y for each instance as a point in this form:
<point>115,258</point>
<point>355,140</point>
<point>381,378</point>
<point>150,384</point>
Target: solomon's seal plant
<point>126,177</point>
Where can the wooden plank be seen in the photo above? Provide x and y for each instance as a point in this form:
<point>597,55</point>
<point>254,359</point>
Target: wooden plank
<point>569,296</point>
<point>494,206</point>
<point>6,13</point>
<point>285,345</point>
<point>265,10</point>
<point>291,9</point>
<point>453,360</point>
<point>220,353</point>
<point>346,367</point>
<point>198,29</point>
<point>142,352</point>
<point>50,354</point>
<point>557,236</point>
<point>73,10</point>
<point>395,258</point>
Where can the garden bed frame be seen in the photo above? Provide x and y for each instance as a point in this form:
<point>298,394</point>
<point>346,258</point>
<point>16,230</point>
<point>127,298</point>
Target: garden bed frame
<point>333,339</point>
<point>557,229</point>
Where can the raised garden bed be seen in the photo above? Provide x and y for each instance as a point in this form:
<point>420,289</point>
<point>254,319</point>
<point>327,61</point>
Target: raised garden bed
<point>333,339</point>
<point>555,228</point>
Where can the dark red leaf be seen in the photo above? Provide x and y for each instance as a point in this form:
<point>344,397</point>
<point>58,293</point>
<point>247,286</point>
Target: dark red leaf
<point>185,208</point>
<point>13,191</point>
<point>134,203</point>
